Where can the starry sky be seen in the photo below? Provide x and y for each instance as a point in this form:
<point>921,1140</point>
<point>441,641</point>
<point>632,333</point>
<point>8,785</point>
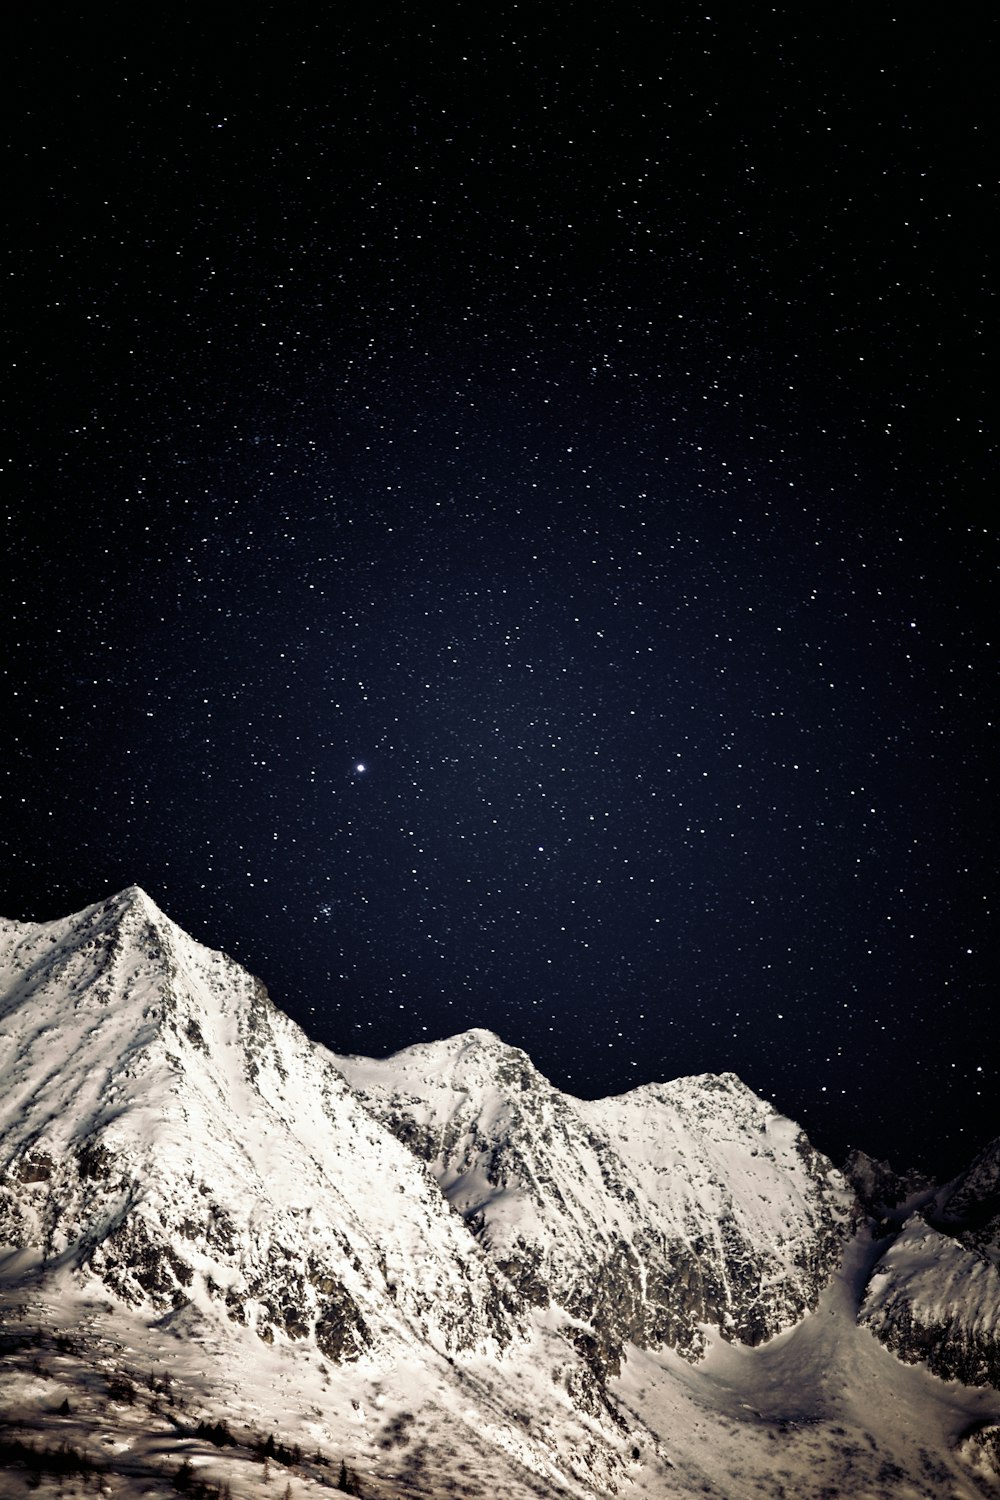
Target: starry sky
<point>498,530</point>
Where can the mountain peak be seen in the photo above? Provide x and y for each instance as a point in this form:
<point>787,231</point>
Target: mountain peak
<point>475,1039</point>
<point>470,1062</point>
<point>134,897</point>
<point>166,1128</point>
<point>133,903</point>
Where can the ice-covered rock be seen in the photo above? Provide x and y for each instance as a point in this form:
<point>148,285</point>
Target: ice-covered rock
<point>882,1191</point>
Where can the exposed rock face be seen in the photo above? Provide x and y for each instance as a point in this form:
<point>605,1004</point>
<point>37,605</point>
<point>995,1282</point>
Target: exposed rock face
<point>969,1207</point>
<point>935,1294</point>
<point>165,1127</point>
<point>644,1217</point>
<point>880,1189</point>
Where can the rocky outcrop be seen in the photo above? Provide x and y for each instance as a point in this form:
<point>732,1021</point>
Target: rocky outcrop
<point>969,1207</point>
<point>881,1190</point>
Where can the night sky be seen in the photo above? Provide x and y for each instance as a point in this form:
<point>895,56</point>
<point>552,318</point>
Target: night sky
<point>499,530</point>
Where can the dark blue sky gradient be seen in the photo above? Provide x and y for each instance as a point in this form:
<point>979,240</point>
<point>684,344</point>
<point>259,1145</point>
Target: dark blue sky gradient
<point>586,427</point>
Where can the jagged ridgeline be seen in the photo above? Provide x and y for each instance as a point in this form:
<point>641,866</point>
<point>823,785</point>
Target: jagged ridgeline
<point>650,1217</point>
<point>160,1104</point>
<point>439,1255</point>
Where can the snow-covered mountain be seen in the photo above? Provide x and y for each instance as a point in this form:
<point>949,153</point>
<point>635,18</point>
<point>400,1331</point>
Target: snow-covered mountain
<point>168,1129</point>
<point>175,1148</point>
<point>935,1293</point>
<point>224,1249</point>
<point>649,1217</point>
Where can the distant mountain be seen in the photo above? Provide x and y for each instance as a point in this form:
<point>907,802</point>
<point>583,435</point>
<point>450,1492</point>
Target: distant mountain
<point>225,1250</point>
<point>935,1293</point>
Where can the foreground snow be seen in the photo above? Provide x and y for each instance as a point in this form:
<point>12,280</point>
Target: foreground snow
<point>822,1410</point>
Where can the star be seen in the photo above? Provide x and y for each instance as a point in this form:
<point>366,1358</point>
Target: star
<point>679,697</point>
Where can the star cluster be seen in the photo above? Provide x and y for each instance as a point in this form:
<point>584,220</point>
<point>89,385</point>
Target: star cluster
<point>498,534</point>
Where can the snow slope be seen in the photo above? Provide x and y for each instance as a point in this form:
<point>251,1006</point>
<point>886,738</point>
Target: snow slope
<point>821,1411</point>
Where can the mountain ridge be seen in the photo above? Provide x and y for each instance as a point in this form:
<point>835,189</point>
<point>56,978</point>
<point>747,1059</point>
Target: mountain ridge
<point>461,1104</point>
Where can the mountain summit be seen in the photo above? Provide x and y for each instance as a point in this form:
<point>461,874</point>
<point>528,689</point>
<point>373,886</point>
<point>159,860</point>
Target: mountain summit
<point>440,1271</point>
